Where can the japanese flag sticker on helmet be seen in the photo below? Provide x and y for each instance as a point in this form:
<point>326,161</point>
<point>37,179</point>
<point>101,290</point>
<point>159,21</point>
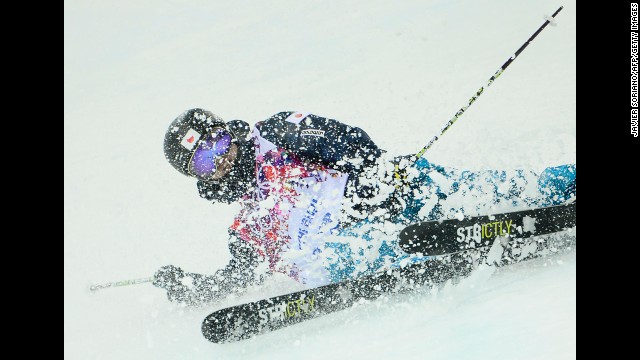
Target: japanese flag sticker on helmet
<point>190,139</point>
<point>185,133</point>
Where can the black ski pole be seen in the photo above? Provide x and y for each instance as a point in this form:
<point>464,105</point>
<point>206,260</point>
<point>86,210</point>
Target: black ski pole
<point>504,66</point>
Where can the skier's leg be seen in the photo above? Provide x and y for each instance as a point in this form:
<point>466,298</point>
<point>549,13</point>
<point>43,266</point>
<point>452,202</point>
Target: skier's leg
<point>558,184</point>
<point>435,191</point>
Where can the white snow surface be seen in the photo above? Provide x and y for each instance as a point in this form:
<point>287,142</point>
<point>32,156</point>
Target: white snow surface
<point>398,69</point>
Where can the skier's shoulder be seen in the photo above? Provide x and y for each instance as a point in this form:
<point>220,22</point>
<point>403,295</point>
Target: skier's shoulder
<point>298,123</point>
<point>286,122</point>
<point>286,116</point>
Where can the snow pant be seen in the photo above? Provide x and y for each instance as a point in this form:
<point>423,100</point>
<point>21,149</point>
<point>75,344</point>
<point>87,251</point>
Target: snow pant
<point>436,192</point>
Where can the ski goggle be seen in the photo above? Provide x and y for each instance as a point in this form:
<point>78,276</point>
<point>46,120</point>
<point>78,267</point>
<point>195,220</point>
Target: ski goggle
<point>203,161</point>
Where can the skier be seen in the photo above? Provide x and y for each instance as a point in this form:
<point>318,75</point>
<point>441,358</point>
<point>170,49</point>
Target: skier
<point>321,202</point>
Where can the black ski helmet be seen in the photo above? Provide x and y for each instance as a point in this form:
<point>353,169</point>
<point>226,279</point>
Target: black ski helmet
<point>183,134</point>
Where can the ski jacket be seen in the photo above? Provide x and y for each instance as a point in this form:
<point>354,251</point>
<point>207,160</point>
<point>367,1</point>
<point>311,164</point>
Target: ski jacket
<point>304,164</point>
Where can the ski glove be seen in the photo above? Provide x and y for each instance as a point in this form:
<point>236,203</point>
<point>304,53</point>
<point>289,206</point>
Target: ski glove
<point>195,289</point>
<point>168,277</point>
<point>186,288</point>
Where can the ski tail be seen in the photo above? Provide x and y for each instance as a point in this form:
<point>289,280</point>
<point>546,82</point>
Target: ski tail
<point>453,235</point>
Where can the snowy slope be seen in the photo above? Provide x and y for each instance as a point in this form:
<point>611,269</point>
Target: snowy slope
<point>397,69</point>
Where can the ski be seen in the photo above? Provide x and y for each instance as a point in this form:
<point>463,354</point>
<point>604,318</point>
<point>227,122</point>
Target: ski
<point>450,236</point>
<point>248,320</point>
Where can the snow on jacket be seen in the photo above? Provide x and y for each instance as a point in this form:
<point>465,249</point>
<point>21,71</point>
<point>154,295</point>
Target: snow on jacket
<point>303,164</point>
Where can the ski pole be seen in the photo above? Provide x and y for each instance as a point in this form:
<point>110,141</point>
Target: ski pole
<point>96,287</point>
<point>504,66</point>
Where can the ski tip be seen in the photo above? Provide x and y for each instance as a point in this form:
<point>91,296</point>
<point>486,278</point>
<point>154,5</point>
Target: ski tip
<point>215,330</point>
<point>224,326</point>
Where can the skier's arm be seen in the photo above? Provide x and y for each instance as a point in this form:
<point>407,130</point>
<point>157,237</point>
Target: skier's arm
<point>240,272</point>
<point>195,289</point>
<point>318,139</point>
